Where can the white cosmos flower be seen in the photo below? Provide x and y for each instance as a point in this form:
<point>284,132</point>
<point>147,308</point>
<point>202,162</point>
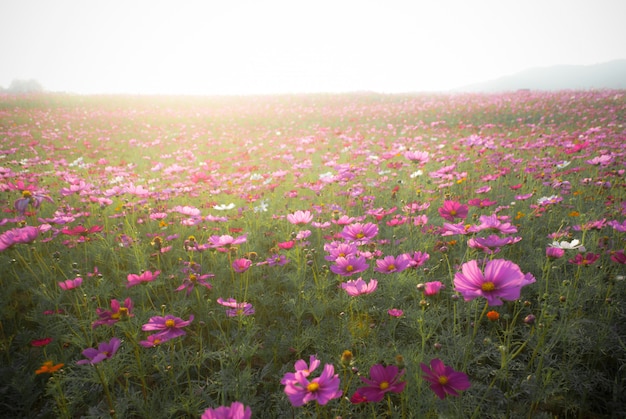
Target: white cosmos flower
<point>223,207</point>
<point>563,164</point>
<point>574,244</point>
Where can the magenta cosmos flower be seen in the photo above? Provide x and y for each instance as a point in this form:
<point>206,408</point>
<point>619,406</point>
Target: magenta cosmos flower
<point>70,284</point>
<point>18,236</point>
<point>453,209</point>
<point>390,264</point>
<point>382,380</point>
<point>235,308</point>
<point>359,287</point>
<point>431,288</point>
<point>117,313</point>
<point>303,368</point>
<point>584,260</point>
<point>105,350</point>
<point>349,265</point>
<point>241,265</point>
<point>300,217</point>
<point>147,276</point>
<point>195,279</point>
<point>359,233</point>
<point>169,326</point>
<point>235,411</point>
<point>337,249</point>
<point>501,280</point>
<point>300,390</point>
<point>443,379</point>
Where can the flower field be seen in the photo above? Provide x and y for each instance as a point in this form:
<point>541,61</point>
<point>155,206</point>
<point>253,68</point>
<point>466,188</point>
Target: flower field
<point>362,255</point>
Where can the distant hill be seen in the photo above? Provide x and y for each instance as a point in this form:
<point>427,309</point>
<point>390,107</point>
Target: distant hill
<point>609,75</point>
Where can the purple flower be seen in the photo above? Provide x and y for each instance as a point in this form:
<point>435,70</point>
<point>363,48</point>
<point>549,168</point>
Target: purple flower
<point>302,368</point>
<point>300,390</point>
<point>382,380</point>
<point>235,411</point>
<point>105,350</point>
<point>117,312</point>
<point>390,264</point>
<point>192,280</point>
<point>502,280</point>
<point>443,379</point>
<point>170,327</point>
<point>349,265</point>
<point>359,287</point>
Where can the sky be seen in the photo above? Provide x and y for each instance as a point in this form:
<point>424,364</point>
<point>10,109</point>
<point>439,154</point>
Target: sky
<point>291,46</point>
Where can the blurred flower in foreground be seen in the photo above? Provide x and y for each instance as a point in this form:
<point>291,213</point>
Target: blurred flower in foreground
<point>382,380</point>
<point>105,350</point>
<point>18,236</point>
<point>236,411</point>
<point>443,379</point>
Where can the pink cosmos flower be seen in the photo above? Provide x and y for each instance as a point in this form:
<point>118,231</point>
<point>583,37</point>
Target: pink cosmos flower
<point>226,241</point>
<point>359,287</point>
<point>453,209</point>
<point>584,260</point>
<point>300,217</point>
<point>390,264</point>
<point>555,252</point>
<point>301,368</point>
<point>491,222</point>
<point>417,259</point>
<point>117,313</point>
<point>491,244</point>
<point>18,236</point>
<point>382,380</point>
<point>195,279</point>
<point>617,226</point>
<point>395,312</point>
<point>337,249</point>
<point>432,288</point>
<point>619,257</point>
<point>235,411</point>
<point>420,157</point>
<point>501,280</point>
<point>69,284</point>
<point>346,266</point>
<point>169,326</point>
<point>241,265</point>
<point>300,390</point>
<point>444,380</point>
<point>147,276</point>
<point>359,233</point>
<point>235,308</point>
<point>105,350</point>
<point>343,220</point>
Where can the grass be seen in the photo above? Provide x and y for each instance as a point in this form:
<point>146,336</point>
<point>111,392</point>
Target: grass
<point>125,166</point>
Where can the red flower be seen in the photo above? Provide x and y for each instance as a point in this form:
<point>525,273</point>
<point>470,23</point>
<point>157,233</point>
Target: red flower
<point>41,342</point>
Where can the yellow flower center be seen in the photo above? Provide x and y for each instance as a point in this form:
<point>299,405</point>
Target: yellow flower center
<point>443,380</point>
<point>170,323</point>
<point>384,385</point>
<point>360,235</point>
<point>349,268</point>
<point>193,278</point>
<point>488,286</point>
<point>391,267</point>
<point>26,194</point>
<point>312,387</point>
<point>452,212</point>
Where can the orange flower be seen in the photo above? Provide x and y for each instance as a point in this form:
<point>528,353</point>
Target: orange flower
<point>48,367</point>
<point>493,315</point>
<point>574,214</point>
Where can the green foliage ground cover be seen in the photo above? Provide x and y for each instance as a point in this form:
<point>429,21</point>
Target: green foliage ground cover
<point>119,186</point>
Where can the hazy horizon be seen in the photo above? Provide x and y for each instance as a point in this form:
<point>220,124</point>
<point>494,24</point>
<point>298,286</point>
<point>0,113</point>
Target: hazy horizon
<point>279,46</point>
